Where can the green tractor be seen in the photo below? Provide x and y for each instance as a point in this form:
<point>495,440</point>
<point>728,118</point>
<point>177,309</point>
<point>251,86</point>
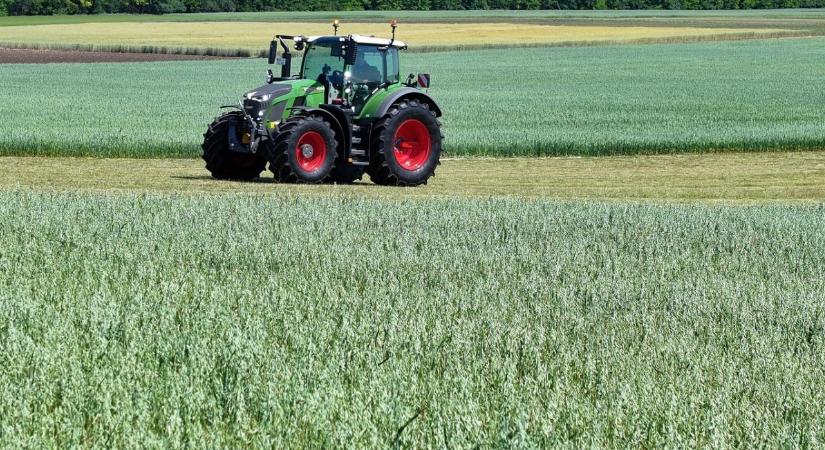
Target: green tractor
<point>344,114</point>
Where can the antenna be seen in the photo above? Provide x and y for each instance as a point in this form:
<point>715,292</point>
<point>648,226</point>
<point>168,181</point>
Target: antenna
<point>335,26</point>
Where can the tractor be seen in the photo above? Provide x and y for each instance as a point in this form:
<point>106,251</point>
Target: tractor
<point>345,113</point>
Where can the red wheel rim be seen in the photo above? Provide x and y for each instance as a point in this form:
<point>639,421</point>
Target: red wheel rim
<point>311,151</point>
<point>412,144</point>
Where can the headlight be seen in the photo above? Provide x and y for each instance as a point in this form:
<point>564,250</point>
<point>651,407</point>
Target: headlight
<point>254,107</point>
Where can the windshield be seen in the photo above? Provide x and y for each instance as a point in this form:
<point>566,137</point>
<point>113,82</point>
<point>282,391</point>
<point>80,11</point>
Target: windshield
<point>320,59</point>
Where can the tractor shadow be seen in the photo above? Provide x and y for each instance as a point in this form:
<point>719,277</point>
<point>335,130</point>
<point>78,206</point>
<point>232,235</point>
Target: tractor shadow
<point>208,178</point>
<point>267,180</point>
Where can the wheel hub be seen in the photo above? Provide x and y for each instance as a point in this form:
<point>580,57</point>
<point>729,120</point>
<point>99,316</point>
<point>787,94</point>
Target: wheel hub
<point>311,151</point>
<point>412,145</point>
<point>307,151</point>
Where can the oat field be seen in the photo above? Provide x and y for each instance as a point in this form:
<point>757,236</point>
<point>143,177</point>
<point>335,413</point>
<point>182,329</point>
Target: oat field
<point>245,321</point>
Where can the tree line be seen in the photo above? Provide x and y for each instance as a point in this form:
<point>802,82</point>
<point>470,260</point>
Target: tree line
<point>48,7</point>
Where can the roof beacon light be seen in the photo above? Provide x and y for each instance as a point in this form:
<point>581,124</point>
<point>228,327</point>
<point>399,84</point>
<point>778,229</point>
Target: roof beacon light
<point>393,24</point>
<point>335,26</point>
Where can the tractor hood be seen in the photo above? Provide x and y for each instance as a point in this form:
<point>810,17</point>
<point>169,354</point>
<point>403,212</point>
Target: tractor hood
<point>259,103</point>
<point>268,91</point>
<point>270,102</point>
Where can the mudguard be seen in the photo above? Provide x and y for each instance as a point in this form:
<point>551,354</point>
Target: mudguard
<point>407,92</point>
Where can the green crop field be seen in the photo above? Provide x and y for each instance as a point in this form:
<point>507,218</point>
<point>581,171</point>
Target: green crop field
<point>512,302</point>
<point>244,321</point>
<point>754,95</point>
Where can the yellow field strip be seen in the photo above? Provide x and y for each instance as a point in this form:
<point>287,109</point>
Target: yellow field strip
<point>739,177</point>
<point>254,36</point>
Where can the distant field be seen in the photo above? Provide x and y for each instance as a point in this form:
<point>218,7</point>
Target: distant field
<point>795,14</point>
<point>251,38</point>
<point>754,95</point>
<point>243,34</point>
<point>287,322</point>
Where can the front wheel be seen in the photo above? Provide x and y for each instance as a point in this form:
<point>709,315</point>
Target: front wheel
<point>304,150</point>
<point>223,163</point>
<point>407,145</point>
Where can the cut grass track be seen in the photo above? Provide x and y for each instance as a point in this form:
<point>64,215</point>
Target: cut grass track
<point>755,95</point>
<point>751,177</point>
<point>282,322</point>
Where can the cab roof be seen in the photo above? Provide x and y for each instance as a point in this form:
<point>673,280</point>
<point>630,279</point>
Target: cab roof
<point>367,40</point>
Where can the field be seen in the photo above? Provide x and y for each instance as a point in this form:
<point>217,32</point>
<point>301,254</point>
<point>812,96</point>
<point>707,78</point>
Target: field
<point>244,34</point>
<point>750,95</point>
<point>720,177</point>
<point>251,38</point>
<point>270,322</point>
<point>622,248</point>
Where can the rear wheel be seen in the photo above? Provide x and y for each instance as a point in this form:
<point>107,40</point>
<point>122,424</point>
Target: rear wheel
<point>223,163</point>
<point>407,145</point>
<point>304,150</point>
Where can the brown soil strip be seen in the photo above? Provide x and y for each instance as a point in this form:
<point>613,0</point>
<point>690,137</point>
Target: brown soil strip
<point>22,56</point>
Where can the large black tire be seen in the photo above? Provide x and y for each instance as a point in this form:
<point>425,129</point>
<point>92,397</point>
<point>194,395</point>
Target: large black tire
<point>289,158</point>
<point>223,163</point>
<point>406,145</point>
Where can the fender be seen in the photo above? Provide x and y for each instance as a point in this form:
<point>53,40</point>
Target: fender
<point>407,92</point>
<point>339,121</point>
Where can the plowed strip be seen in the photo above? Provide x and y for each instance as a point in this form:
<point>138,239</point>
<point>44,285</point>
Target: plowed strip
<point>22,56</point>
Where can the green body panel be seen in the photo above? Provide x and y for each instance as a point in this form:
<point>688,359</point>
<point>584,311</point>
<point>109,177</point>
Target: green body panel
<point>314,93</point>
<point>313,90</point>
<point>373,104</point>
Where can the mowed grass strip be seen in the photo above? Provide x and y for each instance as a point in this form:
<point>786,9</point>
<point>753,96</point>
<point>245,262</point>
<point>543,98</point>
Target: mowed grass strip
<point>253,37</point>
<point>261,322</point>
<point>744,177</point>
<point>755,95</point>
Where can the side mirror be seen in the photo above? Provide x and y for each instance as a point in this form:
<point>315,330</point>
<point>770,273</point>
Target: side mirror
<point>352,52</point>
<point>424,80</point>
<point>273,52</point>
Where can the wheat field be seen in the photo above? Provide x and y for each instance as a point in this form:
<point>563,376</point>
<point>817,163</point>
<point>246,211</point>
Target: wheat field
<point>253,37</point>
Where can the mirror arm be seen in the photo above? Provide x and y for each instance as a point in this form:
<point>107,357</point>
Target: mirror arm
<point>286,69</point>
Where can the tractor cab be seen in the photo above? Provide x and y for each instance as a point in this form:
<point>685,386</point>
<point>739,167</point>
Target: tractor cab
<point>352,77</point>
<point>350,68</point>
<point>343,113</point>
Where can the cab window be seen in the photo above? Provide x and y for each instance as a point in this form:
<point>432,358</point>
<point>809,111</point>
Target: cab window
<point>369,65</point>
